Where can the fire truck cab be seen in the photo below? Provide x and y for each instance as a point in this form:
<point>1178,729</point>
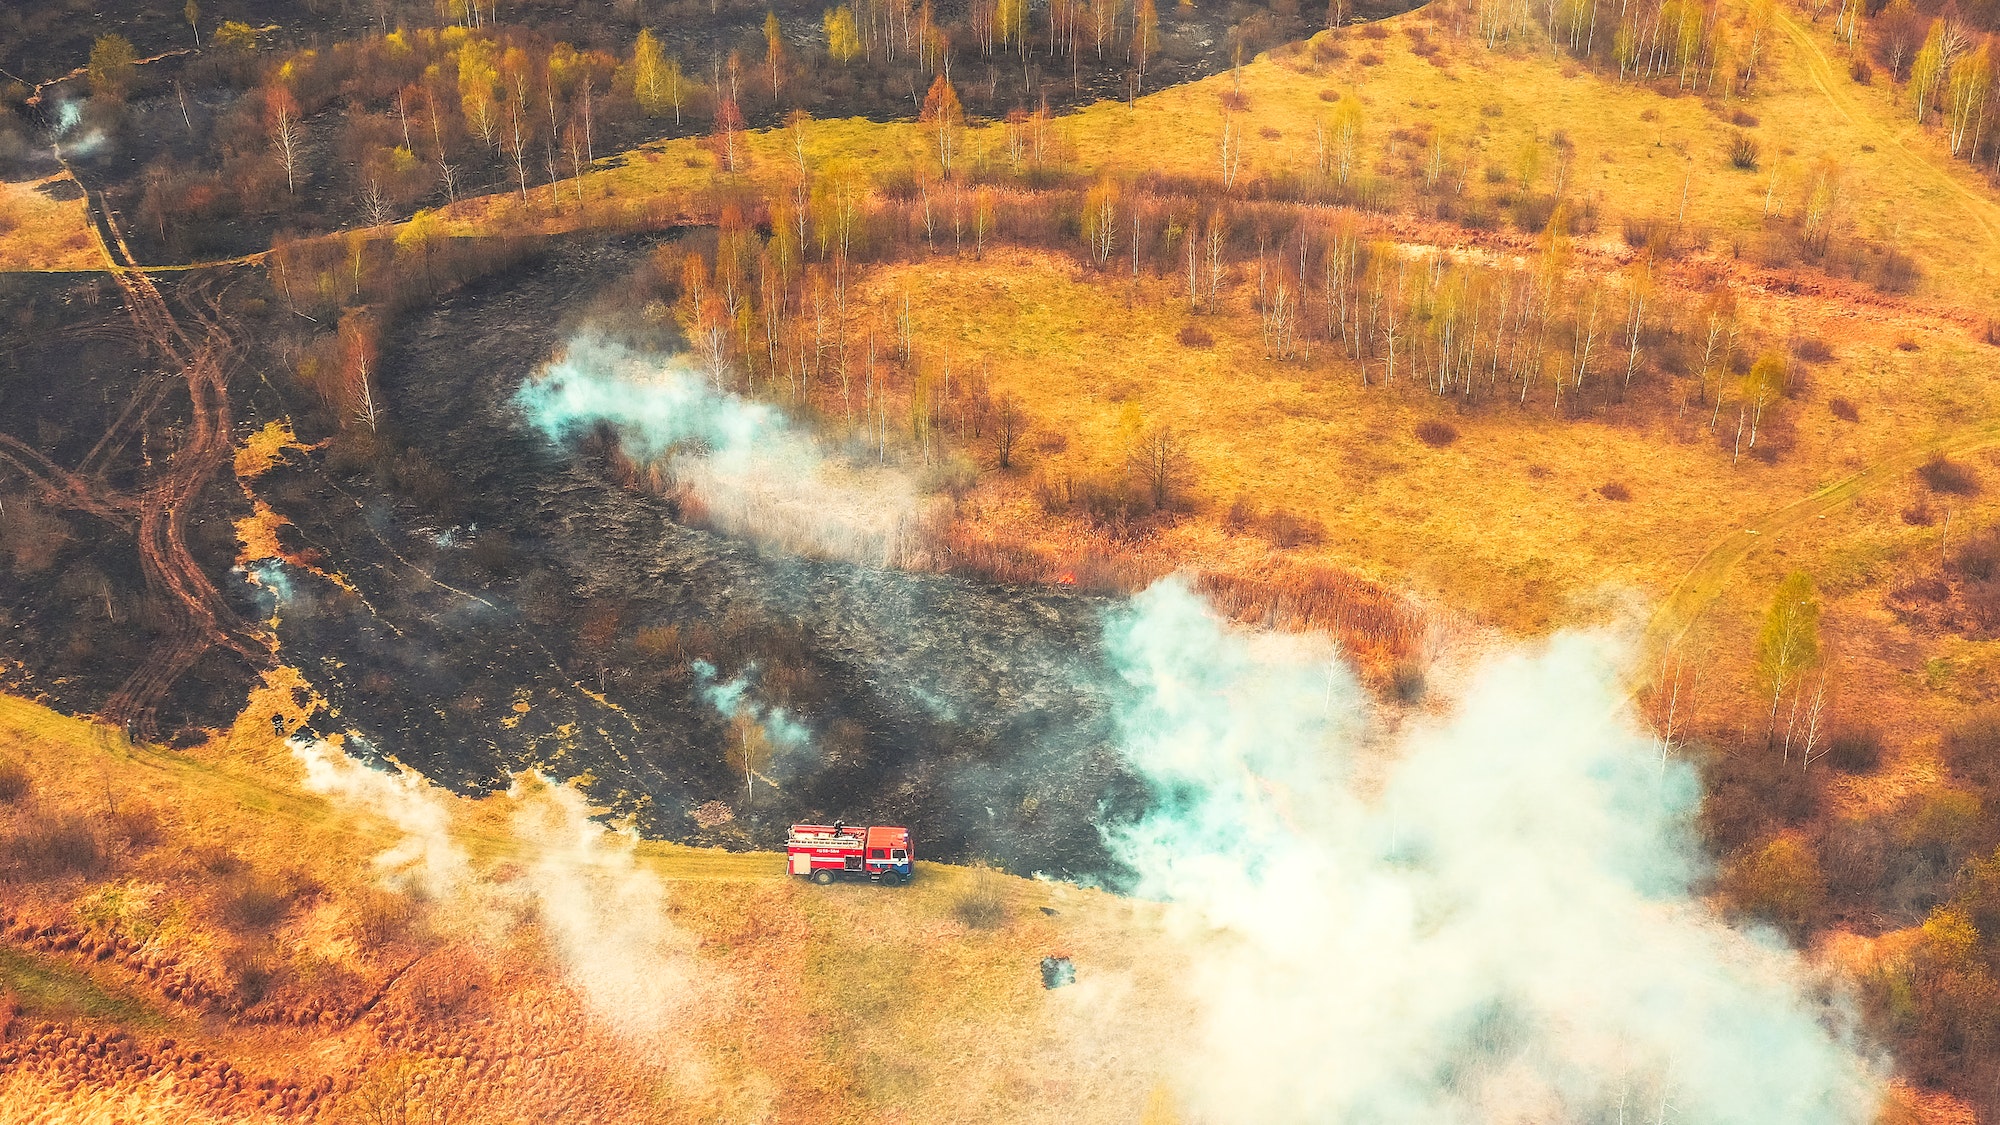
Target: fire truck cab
<point>825,852</point>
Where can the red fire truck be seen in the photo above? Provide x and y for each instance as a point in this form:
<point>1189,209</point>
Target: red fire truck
<point>825,852</point>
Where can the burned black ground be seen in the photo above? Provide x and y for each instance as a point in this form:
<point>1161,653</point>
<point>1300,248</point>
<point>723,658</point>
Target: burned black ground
<point>975,713</point>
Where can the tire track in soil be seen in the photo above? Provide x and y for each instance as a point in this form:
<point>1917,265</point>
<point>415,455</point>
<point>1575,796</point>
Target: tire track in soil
<point>1681,608</point>
<point>159,510</point>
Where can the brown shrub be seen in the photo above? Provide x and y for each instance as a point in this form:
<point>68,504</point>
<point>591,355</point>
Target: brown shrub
<point>1744,151</point>
<point>1407,682</point>
<point>1368,620</point>
<point>1861,72</point>
<point>56,846</point>
<point>1370,58</point>
<point>1374,31</point>
<point>1844,410</point>
<point>1235,100</point>
<point>139,824</point>
<point>256,904</point>
<point>983,904</point>
<point>1195,336</point>
<point>13,782</point>
<point>1436,433</point>
<point>1743,120</point>
<point>1812,349</point>
<point>1919,514</point>
<point>1941,474</point>
<point>1780,882</point>
<point>1329,95</point>
<point>1855,750</point>
<point>1612,490</point>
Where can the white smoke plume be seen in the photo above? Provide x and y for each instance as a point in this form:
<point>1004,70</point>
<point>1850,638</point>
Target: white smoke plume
<point>1499,926</point>
<point>752,471</point>
<point>604,914</point>
<point>425,859</point>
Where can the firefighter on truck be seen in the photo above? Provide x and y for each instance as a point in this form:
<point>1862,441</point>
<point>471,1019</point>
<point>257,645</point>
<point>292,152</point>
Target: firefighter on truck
<point>825,852</point>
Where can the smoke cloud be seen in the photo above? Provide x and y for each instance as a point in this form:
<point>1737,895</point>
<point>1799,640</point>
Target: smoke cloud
<point>1486,916</point>
<point>605,915</point>
<point>425,859</point>
<point>749,468</point>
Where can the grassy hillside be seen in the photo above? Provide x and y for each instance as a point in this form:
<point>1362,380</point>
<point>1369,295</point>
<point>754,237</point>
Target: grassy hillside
<point>218,932</point>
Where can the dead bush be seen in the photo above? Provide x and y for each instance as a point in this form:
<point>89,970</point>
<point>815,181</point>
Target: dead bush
<point>1780,882</point>
<point>381,917</point>
<point>1919,514</point>
<point>1972,749</point>
<point>1612,490</point>
<point>1407,682</point>
<point>1330,95</point>
<point>983,903</point>
<point>1743,119</point>
<point>1436,433</point>
<point>1861,72</point>
<point>13,782</point>
<point>1744,151</point>
<point>256,904</point>
<point>1195,336</point>
<point>1374,31</point>
<point>56,846</point>
<point>1942,474</point>
<point>1844,410</point>
<point>1369,58</point>
<point>1855,750</point>
<point>138,823</point>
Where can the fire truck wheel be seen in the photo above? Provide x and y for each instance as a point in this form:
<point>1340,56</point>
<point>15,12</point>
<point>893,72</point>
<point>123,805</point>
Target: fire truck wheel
<point>892,878</point>
<point>822,877</point>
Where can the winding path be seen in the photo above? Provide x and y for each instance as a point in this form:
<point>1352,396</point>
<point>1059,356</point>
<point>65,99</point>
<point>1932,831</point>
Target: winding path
<point>1982,210</point>
<point>1679,610</point>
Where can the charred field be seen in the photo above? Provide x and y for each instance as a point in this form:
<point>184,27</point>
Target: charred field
<point>536,613</point>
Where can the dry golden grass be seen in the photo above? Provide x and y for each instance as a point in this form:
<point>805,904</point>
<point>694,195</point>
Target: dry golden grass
<point>40,233</point>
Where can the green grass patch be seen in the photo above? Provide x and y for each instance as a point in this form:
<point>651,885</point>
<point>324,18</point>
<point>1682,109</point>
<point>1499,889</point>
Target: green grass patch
<point>53,990</point>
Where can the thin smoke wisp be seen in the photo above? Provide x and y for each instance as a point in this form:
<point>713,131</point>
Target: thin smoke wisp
<point>1496,922</point>
<point>748,467</point>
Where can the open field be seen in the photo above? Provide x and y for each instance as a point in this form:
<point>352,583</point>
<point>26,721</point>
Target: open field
<point>38,232</point>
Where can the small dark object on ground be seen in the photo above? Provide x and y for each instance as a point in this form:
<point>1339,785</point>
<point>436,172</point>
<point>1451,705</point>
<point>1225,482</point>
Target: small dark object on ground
<point>1612,490</point>
<point>1050,911</point>
<point>1057,971</point>
<point>1407,681</point>
<point>1436,434</point>
<point>1195,336</point>
<point>1844,410</point>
